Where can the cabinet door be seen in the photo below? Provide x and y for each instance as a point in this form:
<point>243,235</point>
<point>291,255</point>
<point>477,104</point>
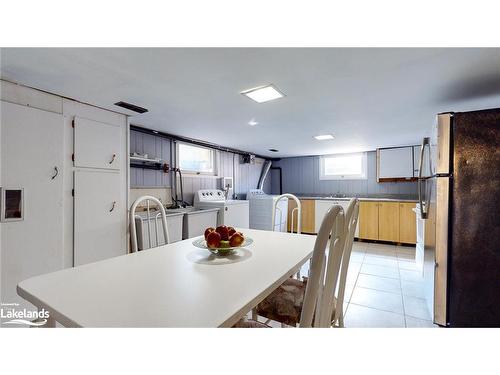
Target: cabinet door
<point>368,220</point>
<point>291,206</point>
<point>395,163</point>
<point>237,215</point>
<point>100,216</point>
<point>31,149</point>
<point>97,145</point>
<point>308,210</point>
<point>407,223</point>
<point>388,221</point>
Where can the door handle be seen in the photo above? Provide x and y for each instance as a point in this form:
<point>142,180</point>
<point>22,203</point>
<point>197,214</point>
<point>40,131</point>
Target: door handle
<point>56,172</point>
<point>423,212</point>
<point>113,207</point>
<point>112,159</point>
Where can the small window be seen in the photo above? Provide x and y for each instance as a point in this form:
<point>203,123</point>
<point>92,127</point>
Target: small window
<point>11,204</point>
<point>343,167</point>
<point>196,159</point>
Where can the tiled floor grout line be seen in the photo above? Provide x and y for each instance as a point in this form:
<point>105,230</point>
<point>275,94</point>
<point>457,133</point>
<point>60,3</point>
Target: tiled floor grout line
<point>400,285</point>
<point>402,298</point>
<point>357,286</point>
<point>355,282</point>
<point>378,309</point>
<point>378,290</point>
<point>371,274</point>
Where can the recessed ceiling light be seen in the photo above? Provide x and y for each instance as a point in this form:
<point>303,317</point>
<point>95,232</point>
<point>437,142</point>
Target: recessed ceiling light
<point>263,94</point>
<point>273,150</point>
<point>252,122</point>
<point>323,137</point>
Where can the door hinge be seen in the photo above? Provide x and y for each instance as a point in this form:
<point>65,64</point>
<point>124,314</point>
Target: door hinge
<point>73,123</point>
<point>72,157</point>
<point>72,192</point>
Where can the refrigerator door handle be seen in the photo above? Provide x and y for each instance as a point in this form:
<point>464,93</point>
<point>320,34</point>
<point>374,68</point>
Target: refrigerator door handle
<point>423,209</point>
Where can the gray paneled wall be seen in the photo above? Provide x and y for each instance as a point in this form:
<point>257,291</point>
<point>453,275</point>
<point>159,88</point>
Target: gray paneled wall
<point>301,176</point>
<point>155,147</point>
<point>245,176</point>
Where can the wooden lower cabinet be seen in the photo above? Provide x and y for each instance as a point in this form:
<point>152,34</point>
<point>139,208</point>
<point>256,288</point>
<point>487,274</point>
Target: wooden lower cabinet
<point>308,210</point>
<point>368,220</point>
<point>388,221</point>
<point>407,223</point>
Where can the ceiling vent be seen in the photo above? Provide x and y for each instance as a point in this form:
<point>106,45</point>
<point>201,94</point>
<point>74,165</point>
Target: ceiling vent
<point>131,107</point>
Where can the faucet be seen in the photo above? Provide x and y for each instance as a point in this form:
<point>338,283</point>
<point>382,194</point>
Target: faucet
<point>338,195</point>
<point>226,191</point>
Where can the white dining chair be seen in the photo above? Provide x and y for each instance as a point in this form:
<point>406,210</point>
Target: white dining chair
<point>352,214</point>
<point>309,303</point>
<point>297,209</point>
<point>155,216</point>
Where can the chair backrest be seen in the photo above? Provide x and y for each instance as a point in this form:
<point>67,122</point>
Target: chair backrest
<point>351,222</point>
<point>297,209</point>
<point>149,217</point>
<point>319,302</point>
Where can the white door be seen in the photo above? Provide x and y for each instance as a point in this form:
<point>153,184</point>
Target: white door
<point>31,150</point>
<point>236,215</point>
<point>97,145</point>
<point>395,162</point>
<point>100,216</point>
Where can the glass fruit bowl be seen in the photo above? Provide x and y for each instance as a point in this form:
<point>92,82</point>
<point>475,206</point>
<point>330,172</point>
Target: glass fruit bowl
<point>221,251</point>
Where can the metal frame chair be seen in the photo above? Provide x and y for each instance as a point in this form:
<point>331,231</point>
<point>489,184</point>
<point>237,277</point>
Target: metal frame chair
<point>298,209</point>
<point>162,214</point>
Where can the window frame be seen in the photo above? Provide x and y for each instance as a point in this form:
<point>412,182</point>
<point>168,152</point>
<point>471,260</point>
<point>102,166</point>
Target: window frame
<point>362,176</point>
<point>214,173</point>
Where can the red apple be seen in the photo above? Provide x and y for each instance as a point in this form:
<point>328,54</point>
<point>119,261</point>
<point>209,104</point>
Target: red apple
<point>213,240</point>
<point>236,239</point>
<point>208,230</point>
<point>224,233</point>
<point>231,231</point>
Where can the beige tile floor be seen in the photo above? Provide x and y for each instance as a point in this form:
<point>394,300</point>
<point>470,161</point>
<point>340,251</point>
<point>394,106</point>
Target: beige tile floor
<point>384,288</point>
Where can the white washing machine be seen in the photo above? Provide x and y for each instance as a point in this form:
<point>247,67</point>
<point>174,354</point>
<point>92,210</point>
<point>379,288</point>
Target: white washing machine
<point>261,211</point>
<point>233,213</point>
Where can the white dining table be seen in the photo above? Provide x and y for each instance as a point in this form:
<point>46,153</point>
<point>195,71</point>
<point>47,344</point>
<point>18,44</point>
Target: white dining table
<point>176,285</point>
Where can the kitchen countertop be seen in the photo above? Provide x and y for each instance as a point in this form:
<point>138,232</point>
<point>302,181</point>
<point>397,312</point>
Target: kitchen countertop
<point>384,198</point>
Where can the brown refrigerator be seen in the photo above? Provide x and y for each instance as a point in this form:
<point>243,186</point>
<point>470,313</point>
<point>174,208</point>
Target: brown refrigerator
<point>459,192</point>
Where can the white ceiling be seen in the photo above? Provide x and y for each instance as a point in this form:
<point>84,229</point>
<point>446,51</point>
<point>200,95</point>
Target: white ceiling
<point>367,98</point>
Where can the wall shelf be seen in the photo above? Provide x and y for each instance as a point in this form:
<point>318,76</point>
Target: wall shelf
<point>145,163</point>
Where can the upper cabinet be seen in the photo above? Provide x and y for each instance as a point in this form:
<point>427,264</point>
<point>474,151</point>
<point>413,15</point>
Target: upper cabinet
<point>97,144</point>
<point>395,164</point>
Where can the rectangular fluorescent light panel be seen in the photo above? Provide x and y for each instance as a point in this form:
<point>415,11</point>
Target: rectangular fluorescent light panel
<point>263,94</point>
<point>323,137</point>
